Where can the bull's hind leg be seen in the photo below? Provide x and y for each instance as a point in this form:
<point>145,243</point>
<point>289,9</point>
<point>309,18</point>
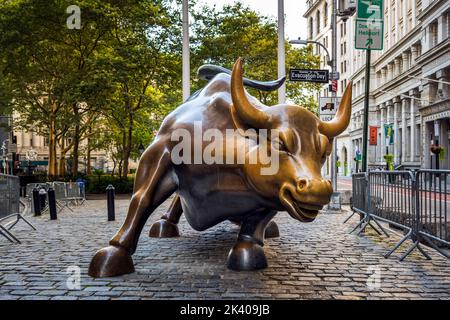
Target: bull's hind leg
<point>166,227</point>
<point>153,185</point>
<point>248,252</point>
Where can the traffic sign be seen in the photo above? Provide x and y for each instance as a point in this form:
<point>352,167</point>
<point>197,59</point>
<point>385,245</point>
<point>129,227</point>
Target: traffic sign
<point>370,9</point>
<point>369,35</point>
<point>369,25</point>
<point>317,76</point>
<point>327,107</point>
<point>334,86</point>
<point>335,75</point>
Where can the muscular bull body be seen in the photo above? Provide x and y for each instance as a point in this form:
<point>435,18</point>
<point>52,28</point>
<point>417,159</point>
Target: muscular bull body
<point>208,194</point>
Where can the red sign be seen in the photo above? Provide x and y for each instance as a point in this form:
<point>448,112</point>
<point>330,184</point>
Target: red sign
<point>334,86</point>
<point>373,135</point>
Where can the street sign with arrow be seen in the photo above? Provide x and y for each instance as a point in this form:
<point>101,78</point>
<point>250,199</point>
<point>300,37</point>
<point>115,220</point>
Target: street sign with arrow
<point>369,25</point>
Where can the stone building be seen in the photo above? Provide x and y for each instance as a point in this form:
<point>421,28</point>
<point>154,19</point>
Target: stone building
<point>410,81</point>
<point>27,141</point>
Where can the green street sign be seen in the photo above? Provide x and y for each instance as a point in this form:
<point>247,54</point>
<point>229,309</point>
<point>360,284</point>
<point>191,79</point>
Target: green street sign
<point>369,29</point>
<point>370,9</point>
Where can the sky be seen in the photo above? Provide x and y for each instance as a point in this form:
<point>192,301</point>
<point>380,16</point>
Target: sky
<point>295,24</point>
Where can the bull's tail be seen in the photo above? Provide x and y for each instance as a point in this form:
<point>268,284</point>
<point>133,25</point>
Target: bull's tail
<point>208,71</point>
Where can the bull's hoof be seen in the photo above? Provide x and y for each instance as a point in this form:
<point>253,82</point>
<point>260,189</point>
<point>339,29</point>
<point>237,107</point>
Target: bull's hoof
<point>245,256</point>
<point>164,229</point>
<point>111,262</point>
<point>272,230</point>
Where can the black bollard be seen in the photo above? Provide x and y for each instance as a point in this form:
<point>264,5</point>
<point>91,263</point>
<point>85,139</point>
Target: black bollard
<point>36,203</point>
<point>42,198</point>
<point>110,197</point>
<point>52,203</point>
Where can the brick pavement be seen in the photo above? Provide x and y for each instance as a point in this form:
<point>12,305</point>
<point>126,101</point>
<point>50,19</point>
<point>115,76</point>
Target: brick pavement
<point>319,260</point>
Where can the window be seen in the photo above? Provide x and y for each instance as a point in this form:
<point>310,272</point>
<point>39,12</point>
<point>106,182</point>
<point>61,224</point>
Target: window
<point>433,34</point>
<point>311,28</point>
<point>448,24</point>
<point>318,21</point>
<point>325,15</point>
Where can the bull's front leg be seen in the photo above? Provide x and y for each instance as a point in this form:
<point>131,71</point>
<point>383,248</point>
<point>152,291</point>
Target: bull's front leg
<point>248,252</point>
<point>153,185</point>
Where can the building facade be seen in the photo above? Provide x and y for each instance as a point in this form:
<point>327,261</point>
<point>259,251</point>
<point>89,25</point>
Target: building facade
<point>410,83</point>
<point>28,141</point>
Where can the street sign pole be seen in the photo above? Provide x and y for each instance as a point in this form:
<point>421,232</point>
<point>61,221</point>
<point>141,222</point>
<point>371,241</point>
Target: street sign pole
<point>368,36</point>
<point>366,112</point>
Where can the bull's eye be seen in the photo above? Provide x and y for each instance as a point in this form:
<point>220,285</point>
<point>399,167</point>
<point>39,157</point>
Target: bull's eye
<point>280,145</point>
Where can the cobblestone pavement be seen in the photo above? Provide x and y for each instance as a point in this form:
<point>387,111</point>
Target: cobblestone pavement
<point>319,260</point>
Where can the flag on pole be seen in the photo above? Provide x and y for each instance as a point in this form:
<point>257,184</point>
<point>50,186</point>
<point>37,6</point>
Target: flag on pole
<point>373,136</point>
<point>389,134</point>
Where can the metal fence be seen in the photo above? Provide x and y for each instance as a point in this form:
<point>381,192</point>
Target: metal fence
<point>433,206</point>
<point>9,195</point>
<point>10,207</point>
<point>66,193</point>
<point>415,202</point>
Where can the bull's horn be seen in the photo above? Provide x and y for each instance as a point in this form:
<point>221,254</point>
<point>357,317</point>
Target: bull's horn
<point>340,122</point>
<point>247,112</point>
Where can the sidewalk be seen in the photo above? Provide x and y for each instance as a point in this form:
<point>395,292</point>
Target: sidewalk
<point>319,260</point>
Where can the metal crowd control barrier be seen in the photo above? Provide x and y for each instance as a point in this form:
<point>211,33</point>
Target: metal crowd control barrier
<point>359,195</point>
<point>415,202</point>
<point>433,207</point>
<point>75,192</point>
<point>62,200</point>
<point>66,194</point>
<point>10,206</point>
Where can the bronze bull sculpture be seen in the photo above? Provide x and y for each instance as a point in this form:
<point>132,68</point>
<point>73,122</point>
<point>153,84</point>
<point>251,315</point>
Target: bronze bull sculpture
<point>208,194</point>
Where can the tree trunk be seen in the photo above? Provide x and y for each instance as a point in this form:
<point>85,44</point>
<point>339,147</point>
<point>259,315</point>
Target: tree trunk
<point>76,141</point>
<point>120,168</point>
<point>88,156</point>
<point>62,159</point>
<point>52,161</point>
<point>114,167</point>
<point>128,144</point>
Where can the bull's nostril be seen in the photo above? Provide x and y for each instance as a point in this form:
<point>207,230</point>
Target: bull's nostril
<point>302,184</point>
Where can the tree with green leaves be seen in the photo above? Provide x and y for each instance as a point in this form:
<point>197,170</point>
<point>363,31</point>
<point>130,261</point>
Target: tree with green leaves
<point>219,37</point>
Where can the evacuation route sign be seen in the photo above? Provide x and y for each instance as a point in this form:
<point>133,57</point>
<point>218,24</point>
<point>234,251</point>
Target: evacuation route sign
<point>369,25</point>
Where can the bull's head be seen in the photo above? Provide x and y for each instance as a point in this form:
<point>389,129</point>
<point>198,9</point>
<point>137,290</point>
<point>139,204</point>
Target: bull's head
<point>303,144</point>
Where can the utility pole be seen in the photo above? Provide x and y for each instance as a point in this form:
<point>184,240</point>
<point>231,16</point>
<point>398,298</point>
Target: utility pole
<point>366,112</point>
<point>281,52</point>
<point>186,53</point>
<point>333,72</point>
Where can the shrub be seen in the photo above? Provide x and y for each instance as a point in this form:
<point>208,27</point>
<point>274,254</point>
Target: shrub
<point>98,184</point>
